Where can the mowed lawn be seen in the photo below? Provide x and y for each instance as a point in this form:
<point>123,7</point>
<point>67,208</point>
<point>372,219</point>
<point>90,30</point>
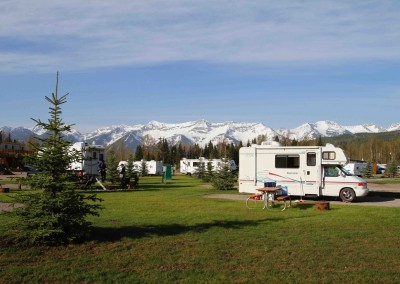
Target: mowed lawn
<point>172,234</point>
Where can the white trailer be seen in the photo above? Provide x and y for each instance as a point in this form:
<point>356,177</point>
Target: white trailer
<point>88,166</point>
<point>355,167</point>
<point>153,167</point>
<point>302,171</point>
<point>191,166</point>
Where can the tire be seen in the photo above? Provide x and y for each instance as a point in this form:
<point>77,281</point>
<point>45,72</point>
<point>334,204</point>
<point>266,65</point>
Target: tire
<point>347,194</point>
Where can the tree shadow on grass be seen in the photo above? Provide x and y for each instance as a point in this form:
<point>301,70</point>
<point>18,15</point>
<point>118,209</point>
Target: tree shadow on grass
<point>110,234</point>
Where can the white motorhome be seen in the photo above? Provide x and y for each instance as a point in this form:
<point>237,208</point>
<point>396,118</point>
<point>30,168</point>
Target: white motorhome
<point>302,171</point>
<point>153,167</point>
<point>191,166</point>
<point>355,167</point>
<point>91,155</point>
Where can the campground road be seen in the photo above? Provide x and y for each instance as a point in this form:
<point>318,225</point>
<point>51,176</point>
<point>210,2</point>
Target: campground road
<point>386,195</point>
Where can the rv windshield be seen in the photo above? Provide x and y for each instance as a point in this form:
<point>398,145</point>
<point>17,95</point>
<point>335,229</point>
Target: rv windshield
<point>335,171</point>
<point>344,171</point>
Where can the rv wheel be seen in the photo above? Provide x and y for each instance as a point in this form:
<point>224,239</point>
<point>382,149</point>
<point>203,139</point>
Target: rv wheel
<point>347,194</point>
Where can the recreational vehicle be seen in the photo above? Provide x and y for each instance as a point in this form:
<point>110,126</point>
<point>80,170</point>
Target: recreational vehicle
<point>191,166</point>
<point>153,167</point>
<point>355,167</point>
<point>301,171</point>
<point>88,166</point>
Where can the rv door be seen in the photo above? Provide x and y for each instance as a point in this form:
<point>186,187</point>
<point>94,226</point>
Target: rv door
<point>311,173</point>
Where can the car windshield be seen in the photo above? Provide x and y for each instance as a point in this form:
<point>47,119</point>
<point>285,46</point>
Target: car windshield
<point>344,171</point>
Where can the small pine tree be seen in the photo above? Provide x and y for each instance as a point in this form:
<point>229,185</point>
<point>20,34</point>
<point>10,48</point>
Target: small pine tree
<point>201,171</point>
<point>367,171</point>
<point>224,178</point>
<point>392,169</point>
<point>144,171</point>
<point>57,214</point>
<point>209,172</point>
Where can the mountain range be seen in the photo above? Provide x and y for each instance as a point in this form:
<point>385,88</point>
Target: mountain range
<point>201,132</point>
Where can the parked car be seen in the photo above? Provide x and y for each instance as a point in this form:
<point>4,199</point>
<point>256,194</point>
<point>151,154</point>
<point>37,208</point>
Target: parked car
<point>29,171</point>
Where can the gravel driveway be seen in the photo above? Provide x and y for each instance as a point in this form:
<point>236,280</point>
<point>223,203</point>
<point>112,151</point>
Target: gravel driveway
<point>387,195</point>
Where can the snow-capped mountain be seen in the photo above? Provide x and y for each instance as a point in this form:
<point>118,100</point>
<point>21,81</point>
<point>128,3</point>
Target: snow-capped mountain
<point>201,132</point>
<point>314,130</point>
<point>394,127</point>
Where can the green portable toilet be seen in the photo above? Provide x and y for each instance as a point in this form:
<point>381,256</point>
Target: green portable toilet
<point>168,171</point>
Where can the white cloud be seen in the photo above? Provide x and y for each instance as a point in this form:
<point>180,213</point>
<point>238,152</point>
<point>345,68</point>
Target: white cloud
<point>42,35</point>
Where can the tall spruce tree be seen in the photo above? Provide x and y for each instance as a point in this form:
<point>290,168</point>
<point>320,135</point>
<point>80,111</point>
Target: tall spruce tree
<point>130,169</point>
<point>112,166</point>
<point>57,214</point>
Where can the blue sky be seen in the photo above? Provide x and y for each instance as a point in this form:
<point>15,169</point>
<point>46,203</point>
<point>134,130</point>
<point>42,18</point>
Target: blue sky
<point>281,63</point>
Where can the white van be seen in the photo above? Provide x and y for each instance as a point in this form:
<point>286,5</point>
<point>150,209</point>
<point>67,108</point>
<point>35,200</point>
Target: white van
<point>303,171</point>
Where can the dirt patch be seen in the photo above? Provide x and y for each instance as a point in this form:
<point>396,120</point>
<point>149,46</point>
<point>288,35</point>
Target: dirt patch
<point>7,207</point>
<point>383,187</point>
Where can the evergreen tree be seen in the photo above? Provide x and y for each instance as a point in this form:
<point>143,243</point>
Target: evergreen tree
<point>223,178</point>
<point>209,172</point>
<point>144,171</point>
<point>139,153</point>
<point>392,169</point>
<point>367,171</point>
<point>112,166</point>
<point>58,213</point>
<point>130,169</point>
<point>201,171</point>
<point>319,141</point>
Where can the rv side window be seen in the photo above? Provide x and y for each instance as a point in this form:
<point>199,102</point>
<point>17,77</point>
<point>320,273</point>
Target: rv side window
<point>329,155</point>
<point>196,164</point>
<point>94,155</point>
<point>331,171</point>
<point>311,159</point>
<point>287,161</point>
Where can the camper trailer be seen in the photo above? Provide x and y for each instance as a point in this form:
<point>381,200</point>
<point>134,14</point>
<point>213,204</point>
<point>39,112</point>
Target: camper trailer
<point>191,166</point>
<point>355,167</point>
<point>88,166</point>
<point>153,167</point>
<point>301,171</point>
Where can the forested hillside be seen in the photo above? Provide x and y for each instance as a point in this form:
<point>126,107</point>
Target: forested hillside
<point>376,147</point>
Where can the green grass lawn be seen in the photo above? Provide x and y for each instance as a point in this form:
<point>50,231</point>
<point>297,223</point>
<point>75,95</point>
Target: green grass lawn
<point>171,233</point>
